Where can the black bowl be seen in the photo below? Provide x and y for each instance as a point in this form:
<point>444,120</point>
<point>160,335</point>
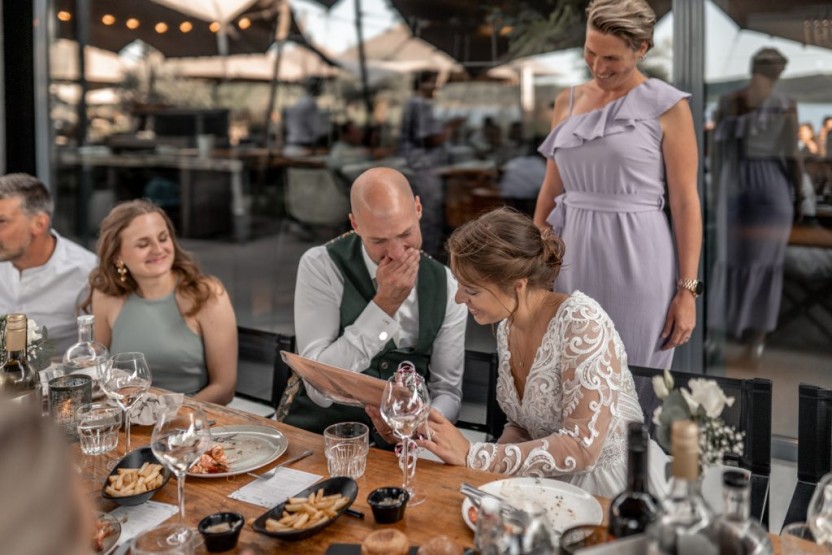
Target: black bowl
<point>388,504</point>
<point>217,542</point>
<point>135,459</point>
<point>345,486</point>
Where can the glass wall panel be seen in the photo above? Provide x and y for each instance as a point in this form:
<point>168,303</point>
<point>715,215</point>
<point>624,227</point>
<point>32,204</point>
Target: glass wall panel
<point>768,192</point>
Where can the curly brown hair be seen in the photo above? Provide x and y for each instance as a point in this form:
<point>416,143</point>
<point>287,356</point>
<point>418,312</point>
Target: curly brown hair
<point>503,246</point>
<point>192,284</point>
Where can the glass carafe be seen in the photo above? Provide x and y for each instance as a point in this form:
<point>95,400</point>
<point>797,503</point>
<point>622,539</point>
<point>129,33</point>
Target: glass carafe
<point>87,354</point>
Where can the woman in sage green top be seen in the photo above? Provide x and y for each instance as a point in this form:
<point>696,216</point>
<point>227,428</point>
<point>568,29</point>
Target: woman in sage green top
<point>149,296</point>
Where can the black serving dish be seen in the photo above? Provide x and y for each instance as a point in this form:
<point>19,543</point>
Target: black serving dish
<point>217,542</point>
<point>388,504</point>
<point>345,486</point>
<point>135,459</point>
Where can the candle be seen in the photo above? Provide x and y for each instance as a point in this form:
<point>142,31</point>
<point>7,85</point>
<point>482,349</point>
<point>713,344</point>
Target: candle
<point>66,394</point>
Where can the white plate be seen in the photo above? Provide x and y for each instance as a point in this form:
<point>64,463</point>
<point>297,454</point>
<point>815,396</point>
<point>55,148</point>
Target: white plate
<point>247,448</point>
<point>567,505</point>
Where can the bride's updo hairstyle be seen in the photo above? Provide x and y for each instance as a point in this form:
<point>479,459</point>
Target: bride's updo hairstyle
<point>503,246</point>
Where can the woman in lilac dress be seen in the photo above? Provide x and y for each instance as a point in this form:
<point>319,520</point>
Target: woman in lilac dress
<point>616,142</point>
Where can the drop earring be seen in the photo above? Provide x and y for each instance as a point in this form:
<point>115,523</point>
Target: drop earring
<point>121,269</point>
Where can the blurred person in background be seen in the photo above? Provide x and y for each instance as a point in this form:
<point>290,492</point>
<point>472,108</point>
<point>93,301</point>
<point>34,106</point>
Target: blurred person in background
<point>304,124</point>
<point>825,137</point>
<point>42,274</point>
<point>421,143</point>
<point>619,143</point>
<point>148,295</point>
<point>758,178</point>
<point>43,511</point>
<point>807,141</point>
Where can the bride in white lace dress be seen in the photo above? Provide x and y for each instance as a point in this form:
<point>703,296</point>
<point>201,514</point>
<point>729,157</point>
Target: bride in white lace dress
<point>563,378</point>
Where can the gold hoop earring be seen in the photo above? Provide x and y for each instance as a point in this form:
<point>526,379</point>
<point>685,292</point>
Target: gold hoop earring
<point>121,269</point>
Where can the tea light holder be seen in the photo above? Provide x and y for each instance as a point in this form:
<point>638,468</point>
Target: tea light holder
<point>66,395</point>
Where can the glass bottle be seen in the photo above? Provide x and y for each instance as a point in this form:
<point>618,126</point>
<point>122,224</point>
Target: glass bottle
<point>18,380</point>
<point>87,354</point>
<point>490,528</point>
<point>684,525</point>
<point>634,508</point>
<point>738,533</point>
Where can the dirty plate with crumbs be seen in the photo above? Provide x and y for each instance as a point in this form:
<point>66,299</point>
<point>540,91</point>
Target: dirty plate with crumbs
<point>565,504</point>
<point>246,448</point>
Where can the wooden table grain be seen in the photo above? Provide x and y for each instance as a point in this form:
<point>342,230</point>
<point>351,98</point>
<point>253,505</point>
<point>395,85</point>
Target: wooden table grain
<point>440,514</point>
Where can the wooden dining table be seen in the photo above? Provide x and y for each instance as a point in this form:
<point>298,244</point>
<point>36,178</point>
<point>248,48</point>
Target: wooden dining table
<point>440,514</point>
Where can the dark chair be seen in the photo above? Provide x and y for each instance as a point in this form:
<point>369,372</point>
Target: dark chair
<point>483,365</point>
<point>750,413</point>
<point>814,447</point>
<point>261,373</point>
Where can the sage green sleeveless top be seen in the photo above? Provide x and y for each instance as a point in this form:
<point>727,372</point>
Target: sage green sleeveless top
<point>175,354</point>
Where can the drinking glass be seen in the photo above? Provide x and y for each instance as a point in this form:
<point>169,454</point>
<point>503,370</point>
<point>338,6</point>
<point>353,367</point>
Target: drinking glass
<point>126,379</point>
<point>405,406</point>
<point>180,438</point>
<point>98,425</point>
<point>346,445</point>
<point>797,539</point>
<point>168,539</point>
<point>819,512</point>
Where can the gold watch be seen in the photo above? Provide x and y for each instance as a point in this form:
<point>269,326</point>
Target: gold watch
<point>695,286</point>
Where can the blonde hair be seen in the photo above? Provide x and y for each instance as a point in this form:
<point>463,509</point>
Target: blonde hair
<point>193,285</point>
<point>630,20</point>
<point>503,246</point>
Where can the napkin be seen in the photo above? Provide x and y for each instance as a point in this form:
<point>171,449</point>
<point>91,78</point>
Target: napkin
<point>150,407</point>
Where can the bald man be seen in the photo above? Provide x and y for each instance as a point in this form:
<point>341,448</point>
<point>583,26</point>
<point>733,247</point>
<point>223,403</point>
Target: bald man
<point>371,299</point>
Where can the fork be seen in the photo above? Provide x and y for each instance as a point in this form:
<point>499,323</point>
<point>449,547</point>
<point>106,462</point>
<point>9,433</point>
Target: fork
<point>270,473</point>
<point>475,495</point>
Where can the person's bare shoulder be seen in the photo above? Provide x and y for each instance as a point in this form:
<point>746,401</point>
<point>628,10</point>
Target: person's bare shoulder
<point>107,305</point>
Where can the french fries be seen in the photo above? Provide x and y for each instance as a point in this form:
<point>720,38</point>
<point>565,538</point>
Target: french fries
<point>305,512</point>
<point>132,481</point>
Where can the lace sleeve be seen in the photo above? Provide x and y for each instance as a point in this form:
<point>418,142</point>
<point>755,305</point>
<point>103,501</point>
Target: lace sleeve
<point>591,377</point>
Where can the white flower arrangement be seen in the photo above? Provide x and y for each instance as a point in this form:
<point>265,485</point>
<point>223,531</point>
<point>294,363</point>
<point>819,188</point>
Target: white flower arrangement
<point>38,349</point>
<point>703,403</point>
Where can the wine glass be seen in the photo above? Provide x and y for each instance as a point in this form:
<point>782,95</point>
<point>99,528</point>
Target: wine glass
<point>126,379</point>
<point>405,406</point>
<point>819,512</point>
<point>178,440</point>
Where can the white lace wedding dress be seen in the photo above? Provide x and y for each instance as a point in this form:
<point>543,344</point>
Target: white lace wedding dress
<point>571,422</point>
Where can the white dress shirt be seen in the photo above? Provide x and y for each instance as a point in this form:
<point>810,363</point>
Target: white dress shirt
<point>304,122</point>
<point>318,293</point>
<point>50,294</point>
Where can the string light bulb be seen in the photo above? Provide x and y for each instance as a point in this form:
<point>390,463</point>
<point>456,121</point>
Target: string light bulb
<point>214,27</point>
<point>244,23</point>
<point>186,26</point>
<point>161,27</point>
<point>64,15</point>
<point>108,19</point>
<point>132,23</point>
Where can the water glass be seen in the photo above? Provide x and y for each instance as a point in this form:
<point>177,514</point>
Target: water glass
<point>98,425</point>
<point>346,445</point>
<point>169,539</point>
<point>797,539</point>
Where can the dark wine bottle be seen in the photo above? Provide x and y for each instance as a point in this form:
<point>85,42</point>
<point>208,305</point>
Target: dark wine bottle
<point>634,508</point>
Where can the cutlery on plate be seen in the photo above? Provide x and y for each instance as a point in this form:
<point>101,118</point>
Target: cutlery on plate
<point>355,514</point>
<point>475,495</point>
<point>270,473</point>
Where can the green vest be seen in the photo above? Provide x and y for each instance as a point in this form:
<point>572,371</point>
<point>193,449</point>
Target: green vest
<point>432,294</point>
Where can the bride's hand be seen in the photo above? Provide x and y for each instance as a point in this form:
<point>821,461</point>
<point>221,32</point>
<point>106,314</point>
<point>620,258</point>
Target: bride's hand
<point>446,442</point>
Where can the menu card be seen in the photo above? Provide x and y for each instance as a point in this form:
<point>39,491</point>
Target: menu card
<point>142,517</point>
<point>267,493</point>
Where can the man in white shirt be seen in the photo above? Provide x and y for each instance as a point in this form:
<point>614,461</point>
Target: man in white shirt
<point>304,122</point>
<point>42,274</point>
<point>371,299</point>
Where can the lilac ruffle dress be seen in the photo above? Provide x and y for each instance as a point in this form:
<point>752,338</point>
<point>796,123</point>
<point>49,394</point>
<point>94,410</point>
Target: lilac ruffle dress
<point>619,248</point>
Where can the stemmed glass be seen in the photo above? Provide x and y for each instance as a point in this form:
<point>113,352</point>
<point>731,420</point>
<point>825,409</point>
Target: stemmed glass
<point>179,439</point>
<point>126,379</point>
<point>819,512</point>
<point>405,406</point>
